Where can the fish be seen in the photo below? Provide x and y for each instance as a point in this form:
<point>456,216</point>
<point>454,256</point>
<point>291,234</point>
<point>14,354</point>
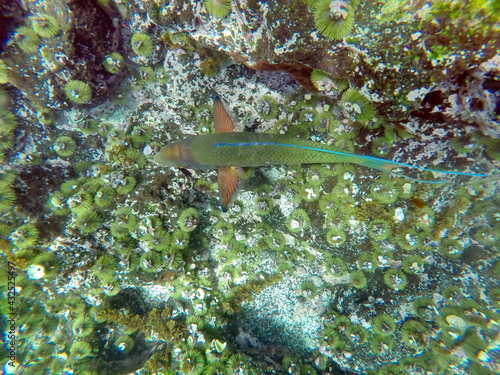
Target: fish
<point>230,151</point>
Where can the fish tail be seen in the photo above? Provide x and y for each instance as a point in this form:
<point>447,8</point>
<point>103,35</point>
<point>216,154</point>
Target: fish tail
<point>389,165</point>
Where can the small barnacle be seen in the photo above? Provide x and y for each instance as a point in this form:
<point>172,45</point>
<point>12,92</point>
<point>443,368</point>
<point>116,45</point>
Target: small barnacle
<point>77,91</point>
<point>395,279</point>
<point>26,39</point>
<point>141,44</point>
<point>64,146</point>
<point>334,19</point>
<point>113,63</point>
<point>218,8</point>
<point>45,25</point>
<point>384,325</point>
<point>358,279</point>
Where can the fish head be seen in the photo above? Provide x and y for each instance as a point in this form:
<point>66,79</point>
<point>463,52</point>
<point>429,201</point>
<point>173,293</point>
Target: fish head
<point>170,155</point>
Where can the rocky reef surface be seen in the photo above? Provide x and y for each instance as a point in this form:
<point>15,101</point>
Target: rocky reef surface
<point>112,264</point>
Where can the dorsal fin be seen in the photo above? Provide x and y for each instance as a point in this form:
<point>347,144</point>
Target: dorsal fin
<point>229,180</point>
<point>223,123</point>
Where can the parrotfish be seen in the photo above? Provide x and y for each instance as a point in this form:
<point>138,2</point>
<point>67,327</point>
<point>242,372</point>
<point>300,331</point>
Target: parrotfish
<point>229,151</point>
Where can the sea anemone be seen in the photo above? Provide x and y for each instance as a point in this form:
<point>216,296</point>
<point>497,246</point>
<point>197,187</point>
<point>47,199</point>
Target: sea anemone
<point>7,120</point>
<point>358,279</point>
<point>359,106</point>
<point>308,289</point>
<point>335,236</point>
<point>27,39</point>
<point>414,334</point>
<point>267,107</point>
<point>77,91</point>
<point>413,264</point>
<point>327,84</point>
<point>87,221</point>
<point>384,324</point>
<point>141,44</point>
<point>104,196</point>
<point>192,362</point>
<point>4,72</point>
<point>126,185</point>
<point>105,267</point>
<point>223,230</point>
<point>45,25</point>
<point>7,198</point>
<point>298,221</point>
<point>64,146</point>
<point>336,266</point>
<point>113,63</point>
<point>188,219</point>
<point>218,8</point>
<point>24,236</point>
<point>395,279</point>
<point>367,262</point>
<point>124,344</point>
<point>49,262</point>
<point>334,19</point>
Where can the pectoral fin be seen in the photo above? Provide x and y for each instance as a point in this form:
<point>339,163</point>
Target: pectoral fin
<point>230,179</point>
<point>222,122</point>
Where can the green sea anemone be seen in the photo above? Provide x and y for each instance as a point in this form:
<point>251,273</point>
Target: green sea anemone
<point>104,268</point>
<point>113,63</point>
<point>49,262</point>
<point>323,82</point>
<point>410,240</point>
<point>367,262</point>
<point>192,362</point>
<point>126,185</point>
<point>413,264</point>
<point>384,325</point>
<point>358,279</point>
<point>298,221</point>
<point>379,229</point>
<point>104,196</point>
<point>87,221</point>
<point>385,191</point>
<point>7,198</point>
<point>335,236</point>
<point>180,239</point>
<point>359,106</point>
<point>381,146</point>
<point>188,219</point>
<point>425,308</point>
<point>141,44</point>
<point>356,334</point>
<point>124,344</point>
<point>4,72</point>
<point>77,91</point>
<point>414,334</point>
<point>24,236</point>
<point>395,279</point>
<point>267,107</point>
<point>45,25</point>
<point>223,230</point>
<point>8,121</point>
<point>334,19</point>
<point>27,39</point>
<point>381,344</point>
<point>309,289</point>
<point>336,266</point>
<point>88,126</point>
<point>218,8</point>
<point>140,135</point>
<point>64,146</point>
<point>263,205</point>
<point>80,349</point>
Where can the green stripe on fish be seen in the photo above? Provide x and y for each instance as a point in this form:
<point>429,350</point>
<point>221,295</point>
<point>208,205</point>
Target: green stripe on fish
<point>228,150</point>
